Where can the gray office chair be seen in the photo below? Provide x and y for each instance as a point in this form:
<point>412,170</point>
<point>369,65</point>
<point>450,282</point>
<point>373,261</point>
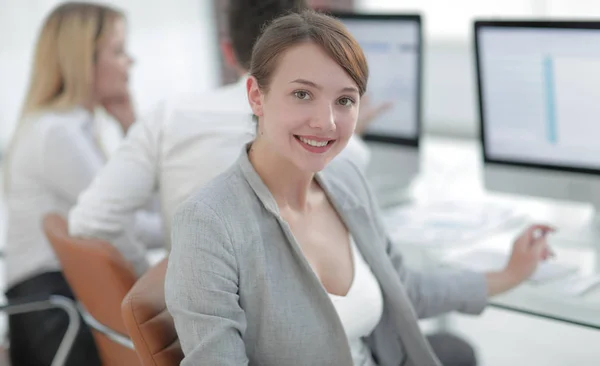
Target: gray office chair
<point>53,302</point>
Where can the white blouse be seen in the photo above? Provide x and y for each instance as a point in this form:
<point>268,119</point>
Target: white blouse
<point>57,155</point>
<point>360,310</point>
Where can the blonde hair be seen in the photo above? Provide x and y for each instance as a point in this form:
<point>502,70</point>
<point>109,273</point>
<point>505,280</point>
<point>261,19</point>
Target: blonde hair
<point>62,74</point>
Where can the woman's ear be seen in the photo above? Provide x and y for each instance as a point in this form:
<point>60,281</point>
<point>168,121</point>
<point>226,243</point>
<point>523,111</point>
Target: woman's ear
<point>255,96</point>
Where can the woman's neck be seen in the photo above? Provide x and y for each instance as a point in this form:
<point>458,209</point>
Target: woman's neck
<point>289,185</point>
<point>89,104</point>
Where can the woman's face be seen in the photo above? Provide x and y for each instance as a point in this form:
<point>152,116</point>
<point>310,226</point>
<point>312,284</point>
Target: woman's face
<point>112,64</point>
<point>310,109</point>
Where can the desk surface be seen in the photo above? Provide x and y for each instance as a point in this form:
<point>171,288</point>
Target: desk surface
<point>451,169</point>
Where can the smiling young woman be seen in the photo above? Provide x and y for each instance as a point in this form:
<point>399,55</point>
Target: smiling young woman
<point>283,259</point>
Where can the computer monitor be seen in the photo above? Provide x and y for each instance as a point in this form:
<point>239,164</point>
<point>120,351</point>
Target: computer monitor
<point>393,48</point>
<point>539,104</point>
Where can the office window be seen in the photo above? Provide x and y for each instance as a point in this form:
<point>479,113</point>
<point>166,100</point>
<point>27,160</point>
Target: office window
<point>452,20</point>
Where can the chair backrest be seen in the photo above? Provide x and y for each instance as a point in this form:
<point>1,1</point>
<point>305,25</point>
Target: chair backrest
<point>150,325</point>
<point>100,277</point>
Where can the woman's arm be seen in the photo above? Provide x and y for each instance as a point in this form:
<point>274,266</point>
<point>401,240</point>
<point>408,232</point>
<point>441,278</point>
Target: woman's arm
<point>202,289</point>
<point>435,292</point>
<point>440,291</point>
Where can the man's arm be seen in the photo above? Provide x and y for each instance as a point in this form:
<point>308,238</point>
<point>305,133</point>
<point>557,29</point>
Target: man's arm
<point>123,186</point>
<point>149,228</point>
<point>70,163</point>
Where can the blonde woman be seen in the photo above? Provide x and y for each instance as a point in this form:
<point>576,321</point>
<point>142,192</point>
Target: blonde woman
<point>80,63</point>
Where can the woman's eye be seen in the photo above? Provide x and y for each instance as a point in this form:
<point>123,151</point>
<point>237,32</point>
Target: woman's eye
<point>345,101</point>
<point>302,95</point>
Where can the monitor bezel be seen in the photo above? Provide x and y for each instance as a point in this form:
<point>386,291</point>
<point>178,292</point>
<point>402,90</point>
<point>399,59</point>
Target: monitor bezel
<point>412,17</point>
<point>481,24</point>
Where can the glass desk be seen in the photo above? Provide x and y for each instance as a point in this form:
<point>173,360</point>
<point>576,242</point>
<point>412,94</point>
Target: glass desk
<point>451,171</point>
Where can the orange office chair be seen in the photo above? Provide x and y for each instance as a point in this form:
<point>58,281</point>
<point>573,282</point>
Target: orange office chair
<point>149,323</point>
<point>100,278</point>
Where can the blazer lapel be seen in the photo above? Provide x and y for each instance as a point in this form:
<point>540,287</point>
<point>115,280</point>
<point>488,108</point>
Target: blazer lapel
<point>338,341</point>
<point>360,225</point>
<point>357,220</point>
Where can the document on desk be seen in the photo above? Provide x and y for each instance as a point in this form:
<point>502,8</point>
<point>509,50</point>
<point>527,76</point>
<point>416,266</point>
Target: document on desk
<point>577,285</point>
<point>485,260</point>
<point>446,223</point>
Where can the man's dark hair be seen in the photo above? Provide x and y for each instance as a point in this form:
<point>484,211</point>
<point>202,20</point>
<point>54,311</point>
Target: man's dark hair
<point>247,19</point>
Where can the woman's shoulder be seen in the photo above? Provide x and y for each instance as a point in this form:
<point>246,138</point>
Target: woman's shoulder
<point>75,116</point>
<point>54,124</point>
<point>37,130</point>
<point>216,217</point>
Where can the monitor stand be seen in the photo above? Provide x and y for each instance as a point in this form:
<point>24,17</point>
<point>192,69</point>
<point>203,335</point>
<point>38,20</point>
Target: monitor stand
<point>589,231</point>
<point>391,172</point>
<point>579,227</point>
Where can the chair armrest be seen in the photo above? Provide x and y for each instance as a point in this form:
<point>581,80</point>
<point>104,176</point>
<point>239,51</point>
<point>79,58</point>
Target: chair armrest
<point>111,334</point>
<point>33,303</point>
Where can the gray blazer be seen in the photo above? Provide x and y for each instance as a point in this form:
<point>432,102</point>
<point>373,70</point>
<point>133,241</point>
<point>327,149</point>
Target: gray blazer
<point>242,293</point>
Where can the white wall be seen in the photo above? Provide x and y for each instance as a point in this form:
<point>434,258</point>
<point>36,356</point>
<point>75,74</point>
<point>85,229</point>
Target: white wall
<point>172,42</point>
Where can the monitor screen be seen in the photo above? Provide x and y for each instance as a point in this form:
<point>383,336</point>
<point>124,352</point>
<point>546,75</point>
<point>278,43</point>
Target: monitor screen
<point>539,91</point>
<point>392,46</point>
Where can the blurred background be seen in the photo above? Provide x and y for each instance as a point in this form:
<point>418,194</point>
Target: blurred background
<point>176,51</point>
<point>179,39</point>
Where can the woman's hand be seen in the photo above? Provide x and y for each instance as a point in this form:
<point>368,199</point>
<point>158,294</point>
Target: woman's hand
<point>121,108</point>
<point>528,251</point>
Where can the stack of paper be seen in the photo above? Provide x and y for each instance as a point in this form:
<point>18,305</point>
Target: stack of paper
<point>577,285</point>
<point>446,223</point>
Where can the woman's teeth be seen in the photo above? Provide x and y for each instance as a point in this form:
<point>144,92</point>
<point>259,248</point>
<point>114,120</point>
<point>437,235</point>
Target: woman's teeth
<point>313,142</point>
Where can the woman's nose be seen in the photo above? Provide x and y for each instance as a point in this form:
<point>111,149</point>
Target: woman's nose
<point>324,118</point>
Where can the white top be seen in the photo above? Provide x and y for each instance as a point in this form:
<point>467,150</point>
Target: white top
<point>183,145</point>
<point>55,158</point>
<point>360,310</point>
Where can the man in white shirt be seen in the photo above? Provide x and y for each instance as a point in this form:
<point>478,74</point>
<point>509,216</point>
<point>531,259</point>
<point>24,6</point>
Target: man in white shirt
<point>185,143</point>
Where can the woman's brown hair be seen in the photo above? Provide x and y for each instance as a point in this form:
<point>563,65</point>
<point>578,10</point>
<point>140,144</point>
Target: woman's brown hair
<point>308,26</point>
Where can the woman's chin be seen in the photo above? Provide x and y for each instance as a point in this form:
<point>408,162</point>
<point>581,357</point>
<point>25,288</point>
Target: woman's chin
<point>314,166</point>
